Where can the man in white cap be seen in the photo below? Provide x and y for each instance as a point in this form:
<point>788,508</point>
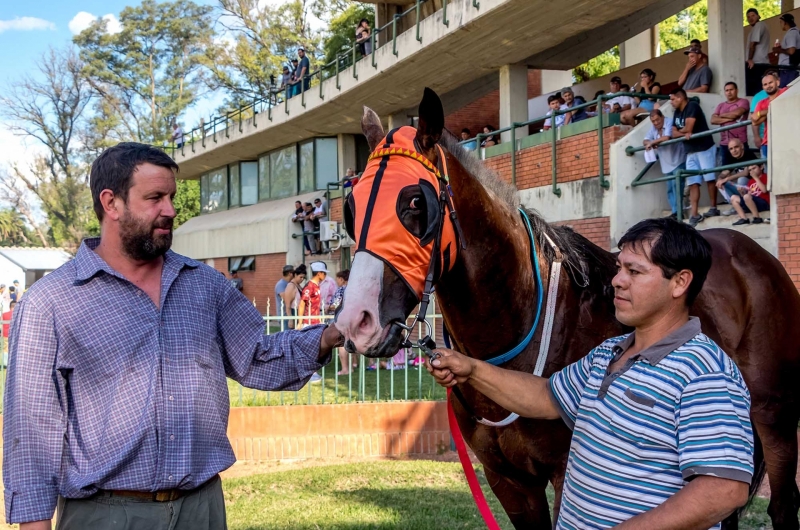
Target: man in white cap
<point>310,307</point>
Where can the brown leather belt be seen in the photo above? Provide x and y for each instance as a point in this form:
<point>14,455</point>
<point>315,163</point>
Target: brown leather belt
<point>155,496</point>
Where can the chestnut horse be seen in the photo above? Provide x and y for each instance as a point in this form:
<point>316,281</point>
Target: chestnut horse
<point>488,299</point>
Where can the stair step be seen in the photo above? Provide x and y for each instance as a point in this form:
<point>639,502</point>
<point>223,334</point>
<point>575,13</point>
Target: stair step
<point>760,233</point>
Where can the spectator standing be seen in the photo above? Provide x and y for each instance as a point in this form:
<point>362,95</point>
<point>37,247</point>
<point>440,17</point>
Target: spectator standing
<point>620,103</point>
<point>290,89</point>
<point>701,153</point>
<point>236,282</point>
<point>671,157</point>
<point>320,216</point>
<point>570,101</point>
<point>301,73</point>
<point>771,85</point>
<point>177,135</point>
<point>5,298</point>
<point>733,110</point>
<point>308,228</point>
<point>291,295</point>
<point>758,130</point>
<point>696,76</point>
<point>787,51</point>
<point>6,317</point>
<point>561,119</point>
<point>350,178</point>
<point>363,39</point>
<point>757,51</point>
<point>12,293</point>
<point>346,360</point>
<point>280,288</point>
<point>286,78</point>
<point>755,196</point>
<point>642,104</point>
<point>310,307</point>
<point>328,290</point>
<point>466,135</point>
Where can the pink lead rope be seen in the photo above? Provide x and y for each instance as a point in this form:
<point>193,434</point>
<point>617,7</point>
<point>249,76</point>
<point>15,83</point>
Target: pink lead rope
<point>469,471</point>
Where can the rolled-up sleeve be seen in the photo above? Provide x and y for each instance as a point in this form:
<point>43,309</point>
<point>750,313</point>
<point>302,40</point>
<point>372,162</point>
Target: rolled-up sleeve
<point>715,436</point>
<point>282,361</point>
<point>566,388</point>
<point>34,421</point>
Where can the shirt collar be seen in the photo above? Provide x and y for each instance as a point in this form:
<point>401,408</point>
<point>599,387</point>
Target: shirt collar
<point>88,263</point>
<point>656,353</point>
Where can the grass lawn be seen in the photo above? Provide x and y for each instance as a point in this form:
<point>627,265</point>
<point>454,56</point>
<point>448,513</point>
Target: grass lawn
<point>410,495</point>
<point>370,386</point>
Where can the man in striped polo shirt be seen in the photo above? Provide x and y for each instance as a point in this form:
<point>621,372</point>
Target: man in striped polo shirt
<point>660,417</point>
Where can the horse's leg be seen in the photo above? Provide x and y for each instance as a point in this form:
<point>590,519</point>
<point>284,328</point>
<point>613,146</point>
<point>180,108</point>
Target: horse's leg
<point>731,522</point>
<point>779,441</point>
<point>557,479</point>
<point>525,504</point>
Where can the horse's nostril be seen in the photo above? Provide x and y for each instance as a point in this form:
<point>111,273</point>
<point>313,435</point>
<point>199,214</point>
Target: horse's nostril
<point>366,321</point>
<point>349,346</point>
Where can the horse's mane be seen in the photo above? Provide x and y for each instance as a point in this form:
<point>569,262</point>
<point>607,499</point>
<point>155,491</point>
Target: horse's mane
<point>588,264</point>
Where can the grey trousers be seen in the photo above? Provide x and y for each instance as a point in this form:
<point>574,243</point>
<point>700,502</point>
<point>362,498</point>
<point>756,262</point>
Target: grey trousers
<point>203,509</point>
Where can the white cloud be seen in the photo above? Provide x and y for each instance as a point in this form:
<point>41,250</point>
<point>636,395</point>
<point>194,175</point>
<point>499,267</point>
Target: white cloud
<point>84,19</point>
<point>26,24</point>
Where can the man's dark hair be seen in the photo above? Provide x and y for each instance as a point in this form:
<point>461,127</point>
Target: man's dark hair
<point>317,200</point>
<point>298,202</point>
<point>752,10</point>
<point>309,204</point>
<point>694,42</point>
<point>465,130</point>
<point>345,275</point>
<point>11,289</point>
<point>362,21</point>
<point>114,168</point>
<point>625,87</point>
<point>234,273</point>
<point>14,302</point>
<point>732,83</point>
<point>678,91</point>
<point>552,98</point>
<point>674,247</point>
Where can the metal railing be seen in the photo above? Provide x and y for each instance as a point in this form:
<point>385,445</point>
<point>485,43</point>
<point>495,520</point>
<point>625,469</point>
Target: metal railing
<point>679,174</point>
<point>324,72</point>
<point>604,184</point>
<point>401,378</point>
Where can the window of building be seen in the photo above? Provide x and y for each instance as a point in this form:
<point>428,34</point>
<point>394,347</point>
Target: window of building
<point>283,173</point>
<point>326,161</point>
<point>307,167</point>
<point>218,189</point>
<point>234,191</point>
<point>249,181</point>
<point>242,263</point>
<point>204,194</point>
<point>263,178</point>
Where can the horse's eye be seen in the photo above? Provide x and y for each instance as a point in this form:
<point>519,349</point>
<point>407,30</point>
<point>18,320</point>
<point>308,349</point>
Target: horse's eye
<point>414,204</point>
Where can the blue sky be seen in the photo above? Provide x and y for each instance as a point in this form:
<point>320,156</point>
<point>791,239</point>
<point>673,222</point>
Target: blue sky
<point>29,27</point>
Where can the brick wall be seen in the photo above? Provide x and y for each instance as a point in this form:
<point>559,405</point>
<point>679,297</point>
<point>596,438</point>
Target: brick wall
<point>576,157</point>
<point>486,110</point>
<point>260,283</point>
<point>596,229</point>
<point>789,234</point>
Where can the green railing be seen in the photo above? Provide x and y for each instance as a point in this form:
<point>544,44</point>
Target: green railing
<point>604,184</point>
<point>260,104</point>
<point>401,379</point>
<point>679,174</point>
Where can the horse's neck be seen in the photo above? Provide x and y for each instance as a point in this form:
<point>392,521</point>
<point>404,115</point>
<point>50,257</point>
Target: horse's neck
<point>489,298</point>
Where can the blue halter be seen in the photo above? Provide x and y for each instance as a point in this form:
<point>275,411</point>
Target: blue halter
<point>504,358</point>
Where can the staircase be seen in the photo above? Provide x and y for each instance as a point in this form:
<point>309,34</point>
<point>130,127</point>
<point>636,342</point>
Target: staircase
<point>760,233</point>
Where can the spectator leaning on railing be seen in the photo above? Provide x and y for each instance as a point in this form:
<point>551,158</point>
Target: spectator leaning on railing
<point>570,100</point>
<point>733,110</point>
<point>701,153</point>
<point>561,119</point>
<point>466,135</point>
<point>771,85</point>
<point>363,41</point>
<point>696,76</point>
<point>671,157</point>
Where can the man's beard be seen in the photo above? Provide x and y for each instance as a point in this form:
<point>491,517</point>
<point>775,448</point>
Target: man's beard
<point>138,240</point>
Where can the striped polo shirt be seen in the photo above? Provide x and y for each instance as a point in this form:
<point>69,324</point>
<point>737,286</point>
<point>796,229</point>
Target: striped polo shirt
<point>674,411</point>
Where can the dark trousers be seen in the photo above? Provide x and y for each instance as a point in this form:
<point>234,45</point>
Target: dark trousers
<point>203,509</point>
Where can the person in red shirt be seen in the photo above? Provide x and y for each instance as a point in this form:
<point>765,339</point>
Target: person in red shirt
<point>771,84</point>
<point>755,196</point>
<point>311,297</point>
<point>6,317</point>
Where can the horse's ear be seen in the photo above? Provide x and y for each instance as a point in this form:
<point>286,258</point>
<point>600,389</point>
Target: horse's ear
<point>431,120</point>
<point>372,128</point>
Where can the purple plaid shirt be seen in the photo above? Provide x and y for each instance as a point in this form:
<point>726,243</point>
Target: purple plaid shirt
<point>107,391</point>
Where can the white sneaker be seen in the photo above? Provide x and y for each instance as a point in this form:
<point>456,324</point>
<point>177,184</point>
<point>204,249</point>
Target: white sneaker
<point>729,212</point>
<point>315,378</point>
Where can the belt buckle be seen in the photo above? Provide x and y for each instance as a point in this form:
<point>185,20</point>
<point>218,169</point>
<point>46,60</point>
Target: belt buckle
<point>164,496</point>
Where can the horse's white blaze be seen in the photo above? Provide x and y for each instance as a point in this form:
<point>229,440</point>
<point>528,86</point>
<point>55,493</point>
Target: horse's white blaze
<point>361,297</point>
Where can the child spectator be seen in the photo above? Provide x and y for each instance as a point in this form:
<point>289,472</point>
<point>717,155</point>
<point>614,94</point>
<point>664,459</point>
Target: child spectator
<point>755,196</point>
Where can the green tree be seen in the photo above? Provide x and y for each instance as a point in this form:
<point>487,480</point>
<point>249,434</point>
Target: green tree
<point>146,75</point>
<point>341,29</point>
<point>13,230</point>
<point>603,64</point>
<point>187,201</point>
<point>50,108</point>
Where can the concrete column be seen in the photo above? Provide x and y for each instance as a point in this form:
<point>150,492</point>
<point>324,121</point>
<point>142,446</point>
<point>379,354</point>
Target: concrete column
<point>397,120</point>
<point>513,98</point>
<point>637,49</point>
<point>346,152</point>
<point>555,80</point>
<point>725,50</point>
<point>789,5</point>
